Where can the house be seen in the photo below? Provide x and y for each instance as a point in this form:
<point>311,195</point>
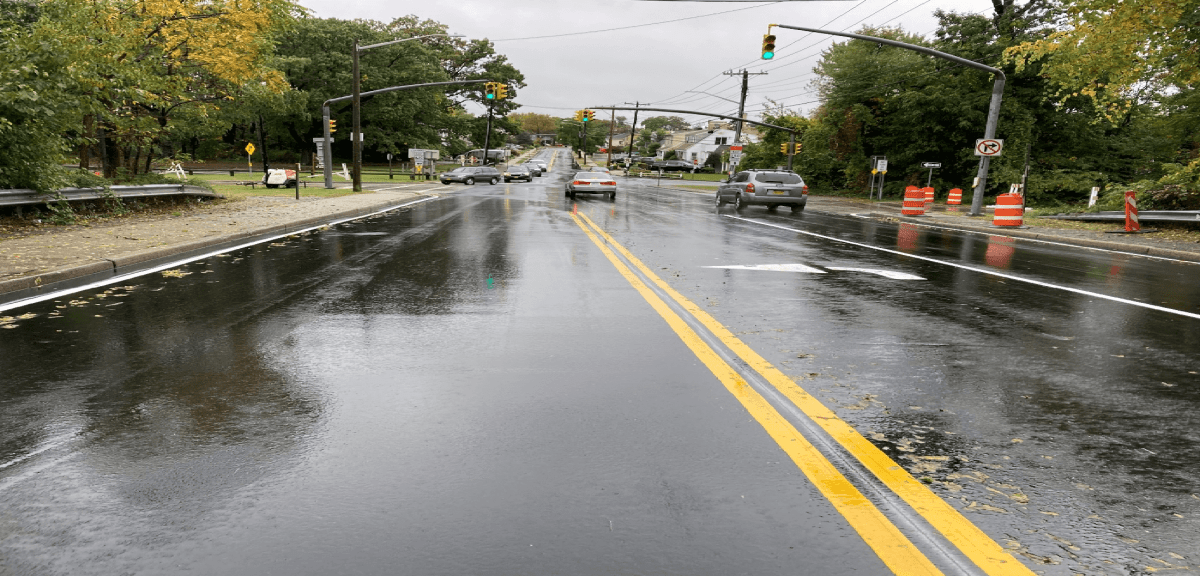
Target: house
<point>696,145</point>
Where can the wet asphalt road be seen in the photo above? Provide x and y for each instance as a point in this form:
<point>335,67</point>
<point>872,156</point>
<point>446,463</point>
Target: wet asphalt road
<point>469,386</point>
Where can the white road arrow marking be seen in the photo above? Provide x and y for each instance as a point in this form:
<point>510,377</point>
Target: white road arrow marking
<point>885,273</point>
<point>775,268</point>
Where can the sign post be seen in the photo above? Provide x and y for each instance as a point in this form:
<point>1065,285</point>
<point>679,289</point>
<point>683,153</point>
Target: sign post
<point>930,166</point>
<point>250,157</point>
<point>389,165</point>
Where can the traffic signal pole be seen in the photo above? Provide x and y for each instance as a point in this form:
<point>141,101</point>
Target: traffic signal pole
<point>993,117</point>
<point>487,136</point>
<point>791,148</point>
<point>326,118</point>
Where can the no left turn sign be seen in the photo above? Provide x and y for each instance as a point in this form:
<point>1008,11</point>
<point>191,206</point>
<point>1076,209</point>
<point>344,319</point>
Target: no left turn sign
<point>988,147</point>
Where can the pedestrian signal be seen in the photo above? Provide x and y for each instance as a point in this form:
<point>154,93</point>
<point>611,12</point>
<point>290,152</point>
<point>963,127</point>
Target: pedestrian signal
<point>501,91</point>
<point>489,91</point>
<point>332,125</point>
<point>768,46</point>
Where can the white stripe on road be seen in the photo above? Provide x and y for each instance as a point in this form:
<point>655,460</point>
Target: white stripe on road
<point>161,267</point>
<point>775,268</point>
<point>885,273</point>
<point>974,269</point>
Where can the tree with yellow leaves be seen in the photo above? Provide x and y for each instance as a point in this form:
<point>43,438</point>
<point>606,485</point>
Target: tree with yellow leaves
<point>1119,52</point>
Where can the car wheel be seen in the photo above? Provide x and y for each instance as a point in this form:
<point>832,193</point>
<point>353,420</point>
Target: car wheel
<point>719,201</point>
<point>738,203</point>
<point>772,207</point>
<point>612,196</point>
<point>493,181</point>
<point>798,208</point>
<point>469,181</point>
<point>572,194</point>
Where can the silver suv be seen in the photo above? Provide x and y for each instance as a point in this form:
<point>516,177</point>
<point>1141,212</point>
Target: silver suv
<point>771,188</point>
<point>470,175</point>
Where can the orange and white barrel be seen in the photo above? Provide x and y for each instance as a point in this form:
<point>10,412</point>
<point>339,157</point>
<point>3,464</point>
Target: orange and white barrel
<point>955,197</point>
<point>914,202</point>
<point>1010,210</point>
<point>929,195</point>
<point>1131,213</point>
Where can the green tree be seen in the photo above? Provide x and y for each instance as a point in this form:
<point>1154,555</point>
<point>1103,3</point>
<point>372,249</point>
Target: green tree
<point>672,123</point>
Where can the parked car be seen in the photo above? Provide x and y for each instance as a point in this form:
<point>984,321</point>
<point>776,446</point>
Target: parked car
<point>592,183</point>
<point>276,177</point>
<point>771,188</point>
<point>534,168</point>
<point>518,172</point>
<point>472,174</point>
<point>671,165</point>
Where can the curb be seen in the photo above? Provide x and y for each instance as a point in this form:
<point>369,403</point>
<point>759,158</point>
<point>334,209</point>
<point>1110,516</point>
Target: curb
<point>50,279</point>
<point>1085,242</point>
<point>1134,249</point>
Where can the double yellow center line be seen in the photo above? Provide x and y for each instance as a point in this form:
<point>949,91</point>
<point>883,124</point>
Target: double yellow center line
<point>889,543</point>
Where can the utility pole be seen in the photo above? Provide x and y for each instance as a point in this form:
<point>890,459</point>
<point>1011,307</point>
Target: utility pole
<point>611,125</point>
<point>632,130</point>
<point>737,135</point>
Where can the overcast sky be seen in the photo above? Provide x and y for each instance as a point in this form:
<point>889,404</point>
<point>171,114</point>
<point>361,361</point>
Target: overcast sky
<point>651,60</point>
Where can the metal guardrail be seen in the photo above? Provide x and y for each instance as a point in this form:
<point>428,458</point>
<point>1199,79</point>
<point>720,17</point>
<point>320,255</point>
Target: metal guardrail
<point>1192,216</point>
<point>23,197</point>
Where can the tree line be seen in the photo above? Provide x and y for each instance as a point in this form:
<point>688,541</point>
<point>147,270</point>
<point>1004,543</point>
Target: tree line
<point>122,83</point>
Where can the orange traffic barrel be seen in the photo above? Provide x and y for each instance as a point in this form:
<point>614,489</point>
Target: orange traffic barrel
<point>1010,210</point>
<point>955,197</point>
<point>929,196</point>
<point>914,202</point>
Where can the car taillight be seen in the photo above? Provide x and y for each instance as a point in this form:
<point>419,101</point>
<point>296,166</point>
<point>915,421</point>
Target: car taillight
<point>608,183</point>
<point>749,188</point>
<point>805,189</point>
<point>579,183</point>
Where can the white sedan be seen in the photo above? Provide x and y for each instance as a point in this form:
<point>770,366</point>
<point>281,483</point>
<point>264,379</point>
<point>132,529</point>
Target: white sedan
<point>592,183</point>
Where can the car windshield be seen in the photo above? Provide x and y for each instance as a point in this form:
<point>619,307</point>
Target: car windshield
<point>591,176</point>
<point>778,178</point>
<point>460,170</point>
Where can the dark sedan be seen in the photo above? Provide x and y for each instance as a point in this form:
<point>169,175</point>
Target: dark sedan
<point>672,165</point>
<point>518,173</point>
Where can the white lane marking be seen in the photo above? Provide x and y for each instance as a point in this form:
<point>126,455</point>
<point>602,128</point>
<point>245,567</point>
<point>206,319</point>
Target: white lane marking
<point>885,273</point>
<point>160,268</point>
<point>974,269</point>
<point>53,443</point>
<point>775,268</point>
<point>1024,239</point>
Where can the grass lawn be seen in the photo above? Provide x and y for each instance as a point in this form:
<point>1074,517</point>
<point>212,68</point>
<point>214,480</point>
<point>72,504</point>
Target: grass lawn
<point>236,191</point>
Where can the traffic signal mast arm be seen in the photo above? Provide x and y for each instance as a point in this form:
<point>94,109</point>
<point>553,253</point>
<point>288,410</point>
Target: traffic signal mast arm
<point>674,111</point>
<point>993,117</point>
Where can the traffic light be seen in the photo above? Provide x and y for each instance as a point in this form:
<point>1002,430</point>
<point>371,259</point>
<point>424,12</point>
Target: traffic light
<point>783,148</point>
<point>768,46</point>
<point>489,91</point>
<point>588,115</point>
<point>501,91</point>
<point>579,115</point>
<point>332,125</point>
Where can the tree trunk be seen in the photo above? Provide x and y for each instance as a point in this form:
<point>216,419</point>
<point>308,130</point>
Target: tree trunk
<point>149,157</point>
<point>120,157</point>
<point>133,163</point>
<point>85,149</point>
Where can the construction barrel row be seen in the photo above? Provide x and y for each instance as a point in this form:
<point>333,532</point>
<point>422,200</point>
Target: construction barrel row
<point>1010,208</point>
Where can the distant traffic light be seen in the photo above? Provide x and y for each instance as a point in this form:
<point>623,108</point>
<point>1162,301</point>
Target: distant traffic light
<point>588,115</point>
<point>579,115</point>
<point>489,91</point>
<point>501,91</point>
<point>768,46</point>
<point>783,148</point>
<point>332,125</point>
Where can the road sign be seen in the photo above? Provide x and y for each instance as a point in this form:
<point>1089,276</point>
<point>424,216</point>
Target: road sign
<point>735,156</point>
<point>931,164</point>
<point>420,160</point>
<point>250,148</point>
<point>389,157</point>
<point>989,148</point>
<point>881,166</point>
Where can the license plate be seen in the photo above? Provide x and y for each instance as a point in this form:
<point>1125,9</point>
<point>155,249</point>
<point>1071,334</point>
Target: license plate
<point>779,192</point>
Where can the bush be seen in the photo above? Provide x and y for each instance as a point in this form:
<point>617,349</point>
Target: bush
<point>1178,189</point>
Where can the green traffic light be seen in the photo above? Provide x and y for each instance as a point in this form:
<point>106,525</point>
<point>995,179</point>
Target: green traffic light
<point>491,96</point>
<point>768,55</point>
